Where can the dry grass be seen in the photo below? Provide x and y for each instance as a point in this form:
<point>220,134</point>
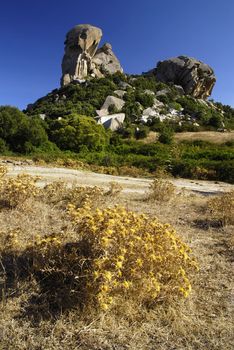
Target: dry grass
<point>222,208</point>
<point>202,321</point>
<point>114,189</point>
<point>210,136</point>
<point>161,191</point>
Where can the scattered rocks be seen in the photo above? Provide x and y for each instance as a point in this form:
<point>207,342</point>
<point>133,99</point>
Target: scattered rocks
<point>163,92</point>
<point>179,89</point>
<point>17,162</point>
<point>123,85</point>
<point>111,102</point>
<point>149,92</point>
<point>112,122</point>
<point>120,93</point>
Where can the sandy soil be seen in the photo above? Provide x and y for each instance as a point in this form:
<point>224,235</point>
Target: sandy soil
<point>134,185</point>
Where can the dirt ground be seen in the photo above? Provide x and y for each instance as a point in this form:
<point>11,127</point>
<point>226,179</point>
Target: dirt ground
<point>203,321</point>
<point>129,184</point>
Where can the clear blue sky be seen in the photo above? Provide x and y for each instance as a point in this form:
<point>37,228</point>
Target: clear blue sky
<point>32,34</point>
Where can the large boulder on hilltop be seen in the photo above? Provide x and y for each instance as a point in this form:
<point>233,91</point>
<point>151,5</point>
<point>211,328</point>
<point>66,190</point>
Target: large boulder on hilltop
<point>106,61</point>
<point>196,78</point>
<point>81,58</point>
<point>80,46</point>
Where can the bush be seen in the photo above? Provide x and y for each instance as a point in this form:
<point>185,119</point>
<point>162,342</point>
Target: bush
<point>141,132</point>
<point>114,189</point>
<point>222,208</point>
<point>205,115</point>
<point>166,135</point>
<point>79,98</point>
<point>3,171</point>
<point>20,132</point>
<point>111,256</point>
<point>75,131</point>
<point>59,194</point>
<point>146,100</point>
<point>3,146</point>
<point>127,255</point>
<point>161,190</point>
<point>15,191</point>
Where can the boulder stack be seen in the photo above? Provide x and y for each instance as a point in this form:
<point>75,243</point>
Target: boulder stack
<point>196,78</point>
<point>82,59</point>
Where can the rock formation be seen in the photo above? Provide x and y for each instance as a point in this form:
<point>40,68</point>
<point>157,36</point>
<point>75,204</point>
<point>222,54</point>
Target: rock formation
<point>106,61</point>
<point>80,61</point>
<point>111,101</point>
<point>196,78</point>
<point>112,122</point>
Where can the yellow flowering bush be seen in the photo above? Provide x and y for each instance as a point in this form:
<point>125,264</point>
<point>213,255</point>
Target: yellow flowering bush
<point>110,256</point>
<point>14,191</point>
<point>130,255</point>
<point>116,255</point>
<point>3,170</point>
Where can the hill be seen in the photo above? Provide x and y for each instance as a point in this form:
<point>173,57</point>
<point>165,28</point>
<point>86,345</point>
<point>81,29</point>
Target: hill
<point>99,116</point>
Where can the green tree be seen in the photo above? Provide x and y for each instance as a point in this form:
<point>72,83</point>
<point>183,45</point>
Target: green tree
<point>20,132</point>
<point>74,131</point>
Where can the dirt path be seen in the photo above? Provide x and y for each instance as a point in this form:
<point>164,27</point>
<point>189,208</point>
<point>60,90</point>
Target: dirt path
<point>130,185</point>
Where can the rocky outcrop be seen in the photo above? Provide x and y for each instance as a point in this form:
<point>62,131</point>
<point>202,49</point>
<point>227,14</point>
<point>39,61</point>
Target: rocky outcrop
<point>80,46</point>
<point>120,93</point>
<point>196,78</point>
<point>112,122</point>
<point>106,61</point>
<point>111,102</point>
<point>80,61</point>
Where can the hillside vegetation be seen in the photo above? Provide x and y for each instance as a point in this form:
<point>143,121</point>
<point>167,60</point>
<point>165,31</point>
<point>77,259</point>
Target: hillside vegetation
<point>61,125</point>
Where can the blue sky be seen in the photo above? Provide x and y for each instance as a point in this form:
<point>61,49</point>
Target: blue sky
<point>32,34</point>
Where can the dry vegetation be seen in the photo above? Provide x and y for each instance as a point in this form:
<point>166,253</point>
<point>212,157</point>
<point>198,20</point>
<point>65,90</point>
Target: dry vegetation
<point>86,269</point>
<point>161,190</point>
<point>210,136</point>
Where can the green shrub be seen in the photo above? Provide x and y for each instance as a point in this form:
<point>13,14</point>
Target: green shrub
<point>3,146</point>
<point>20,132</point>
<point>112,109</point>
<point>75,131</point>
<point>166,135</point>
<point>82,99</point>
<point>141,132</point>
<point>146,100</point>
